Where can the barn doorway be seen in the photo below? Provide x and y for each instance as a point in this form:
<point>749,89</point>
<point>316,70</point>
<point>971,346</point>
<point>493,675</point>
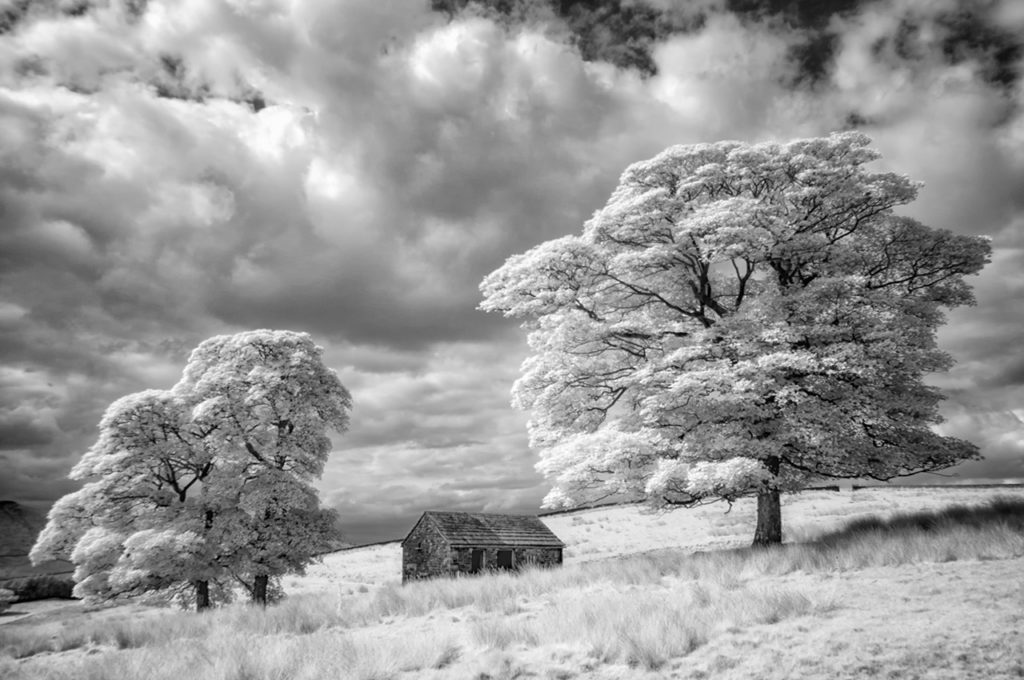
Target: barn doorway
<point>476,561</point>
<point>505,559</point>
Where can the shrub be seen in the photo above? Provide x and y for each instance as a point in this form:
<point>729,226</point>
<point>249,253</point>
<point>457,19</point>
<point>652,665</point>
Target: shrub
<point>40,587</point>
<point>6,599</point>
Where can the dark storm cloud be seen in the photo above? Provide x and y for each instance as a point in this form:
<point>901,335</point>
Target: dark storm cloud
<point>27,477</point>
<point>442,435</point>
<point>398,506</point>
<point>1010,374</point>
<point>20,430</point>
<point>356,307</point>
<point>396,158</point>
<point>998,433</point>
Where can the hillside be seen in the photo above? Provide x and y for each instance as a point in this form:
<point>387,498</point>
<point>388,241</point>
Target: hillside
<point>616,531</point>
<point>19,527</point>
<point>933,594</point>
<point>593,534</point>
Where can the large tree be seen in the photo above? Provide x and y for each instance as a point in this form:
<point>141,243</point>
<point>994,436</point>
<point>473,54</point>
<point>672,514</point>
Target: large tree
<point>738,320</point>
<point>210,482</point>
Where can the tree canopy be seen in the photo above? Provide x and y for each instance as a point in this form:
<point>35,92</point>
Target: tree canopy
<point>738,319</point>
<point>209,482</point>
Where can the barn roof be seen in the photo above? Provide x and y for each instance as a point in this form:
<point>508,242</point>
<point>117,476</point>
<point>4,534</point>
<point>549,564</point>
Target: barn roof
<point>478,528</point>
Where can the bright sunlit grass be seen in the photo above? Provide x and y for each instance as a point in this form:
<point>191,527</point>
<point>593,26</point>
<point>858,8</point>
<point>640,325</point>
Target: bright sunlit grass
<point>641,611</point>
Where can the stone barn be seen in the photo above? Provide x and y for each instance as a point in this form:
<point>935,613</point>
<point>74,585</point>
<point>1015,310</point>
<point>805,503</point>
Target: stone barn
<point>451,543</point>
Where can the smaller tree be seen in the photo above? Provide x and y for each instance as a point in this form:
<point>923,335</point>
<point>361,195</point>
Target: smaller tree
<point>190,489</point>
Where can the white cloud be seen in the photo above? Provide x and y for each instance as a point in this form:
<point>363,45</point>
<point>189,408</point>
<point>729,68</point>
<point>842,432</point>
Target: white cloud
<point>725,80</point>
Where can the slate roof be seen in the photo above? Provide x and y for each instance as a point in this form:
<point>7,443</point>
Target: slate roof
<point>464,529</point>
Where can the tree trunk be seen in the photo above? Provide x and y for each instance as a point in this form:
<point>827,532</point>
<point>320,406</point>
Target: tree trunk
<point>259,589</point>
<point>203,587</point>
<point>202,595</point>
<point>769,518</point>
<point>769,511</point>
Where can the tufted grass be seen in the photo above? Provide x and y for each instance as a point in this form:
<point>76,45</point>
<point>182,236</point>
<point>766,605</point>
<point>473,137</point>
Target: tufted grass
<point>641,611</point>
<point>645,627</point>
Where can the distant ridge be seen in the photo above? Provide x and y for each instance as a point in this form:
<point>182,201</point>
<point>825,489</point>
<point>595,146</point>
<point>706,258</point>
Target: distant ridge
<point>960,484</point>
<point>19,527</point>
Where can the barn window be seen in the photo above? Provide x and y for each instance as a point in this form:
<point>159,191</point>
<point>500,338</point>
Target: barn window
<point>476,561</point>
<point>505,559</point>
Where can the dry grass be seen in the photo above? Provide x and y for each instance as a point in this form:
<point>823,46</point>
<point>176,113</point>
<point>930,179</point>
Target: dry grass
<point>227,655</point>
<point>644,627</point>
<point>603,533</point>
<point>641,612</point>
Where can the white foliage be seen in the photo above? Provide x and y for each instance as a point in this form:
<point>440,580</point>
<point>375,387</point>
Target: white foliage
<point>68,519</point>
<point>95,556</point>
<point>726,478</point>
<point>737,317</point>
<point>210,479</point>
<point>269,396</point>
<point>611,457</point>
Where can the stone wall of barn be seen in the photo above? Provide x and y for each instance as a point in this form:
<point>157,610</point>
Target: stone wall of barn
<point>542,557</point>
<point>425,554</point>
<point>462,558</point>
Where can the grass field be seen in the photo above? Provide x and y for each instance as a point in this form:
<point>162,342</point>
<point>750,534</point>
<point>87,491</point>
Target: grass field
<point>907,589</point>
<point>605,533</point>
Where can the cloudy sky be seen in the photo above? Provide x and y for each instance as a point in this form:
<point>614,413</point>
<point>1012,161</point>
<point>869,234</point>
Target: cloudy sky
<point>175,169</point>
